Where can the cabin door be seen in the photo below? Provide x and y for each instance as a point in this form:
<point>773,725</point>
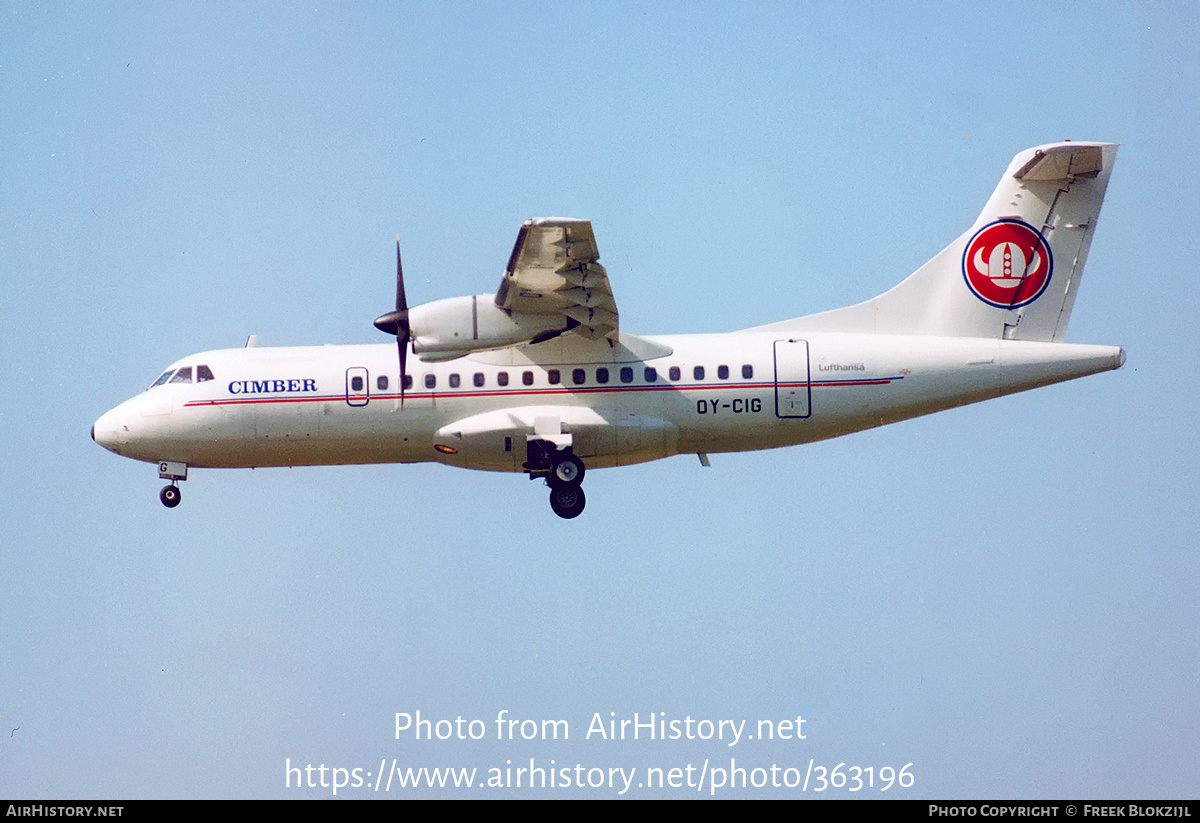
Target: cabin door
<point>793,391</point>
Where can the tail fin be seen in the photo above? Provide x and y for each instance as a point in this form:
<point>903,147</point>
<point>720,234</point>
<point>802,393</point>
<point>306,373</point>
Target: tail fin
<point>1015,273</point>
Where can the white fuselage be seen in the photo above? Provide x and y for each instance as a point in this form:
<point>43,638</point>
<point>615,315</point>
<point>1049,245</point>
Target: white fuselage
<point>324,405</point>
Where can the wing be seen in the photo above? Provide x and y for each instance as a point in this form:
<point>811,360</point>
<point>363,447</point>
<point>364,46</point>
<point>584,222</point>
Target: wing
<point>554,270</point>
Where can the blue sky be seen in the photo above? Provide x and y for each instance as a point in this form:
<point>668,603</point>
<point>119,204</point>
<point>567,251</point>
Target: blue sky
<point>1004,596</point>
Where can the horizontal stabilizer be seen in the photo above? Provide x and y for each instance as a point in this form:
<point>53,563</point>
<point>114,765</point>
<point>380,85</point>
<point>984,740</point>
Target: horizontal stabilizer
<point>1063,162</point>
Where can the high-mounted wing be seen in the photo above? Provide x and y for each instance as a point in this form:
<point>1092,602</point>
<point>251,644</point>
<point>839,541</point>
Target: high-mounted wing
<point>554,270</point>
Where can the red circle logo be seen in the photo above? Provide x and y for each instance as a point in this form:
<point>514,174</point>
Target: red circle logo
<point>1007,264</point>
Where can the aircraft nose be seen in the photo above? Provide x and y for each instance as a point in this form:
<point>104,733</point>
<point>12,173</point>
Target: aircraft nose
<point>104,432</point>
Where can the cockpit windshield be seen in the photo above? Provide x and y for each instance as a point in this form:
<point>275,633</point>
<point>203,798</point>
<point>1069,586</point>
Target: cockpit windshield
<point>184,375</point>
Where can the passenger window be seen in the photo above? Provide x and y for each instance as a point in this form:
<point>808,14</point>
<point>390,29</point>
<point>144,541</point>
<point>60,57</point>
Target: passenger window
<point>747,371</point>
<point>674,373</point>
<point>381,382</point>
<point>579,376</point>
<point>408,381</point>
<point>478,379</point>
<point>553,377</point>
<point>601,375</point>
<point>723,372</point>
<point>502,378</point>
<point>698,372</point>
<point>651,374</point>
<point>184,375</point>
<point>527,378</point>
<point>626,374</point>
<point>203,374</point>
<point>430,380</point>
<point>455,381</point>
<point>356,383</point>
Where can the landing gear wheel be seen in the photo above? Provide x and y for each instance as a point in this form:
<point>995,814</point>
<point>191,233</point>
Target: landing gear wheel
<point>170,496</point>
<point>567,501</point>
<point>565,470</point>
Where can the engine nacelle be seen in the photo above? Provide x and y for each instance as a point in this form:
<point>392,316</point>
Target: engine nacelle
<point>446,329</point>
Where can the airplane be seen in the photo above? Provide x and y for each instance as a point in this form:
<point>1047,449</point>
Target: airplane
<point>540,379</point>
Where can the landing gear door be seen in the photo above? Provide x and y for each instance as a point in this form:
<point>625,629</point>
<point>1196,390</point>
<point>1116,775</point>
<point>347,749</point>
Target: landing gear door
<point>358,389</point>
<point>793,392</point>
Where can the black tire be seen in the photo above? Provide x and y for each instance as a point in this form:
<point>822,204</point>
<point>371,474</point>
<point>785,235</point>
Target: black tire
<point>567,501</point>
<point>565,470</point>
<point>170,496</point>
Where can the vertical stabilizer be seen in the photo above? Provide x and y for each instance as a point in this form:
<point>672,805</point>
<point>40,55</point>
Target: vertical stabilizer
<point>1015,273</point>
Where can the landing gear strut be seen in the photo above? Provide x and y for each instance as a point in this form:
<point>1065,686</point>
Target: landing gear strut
<point>563,472</point>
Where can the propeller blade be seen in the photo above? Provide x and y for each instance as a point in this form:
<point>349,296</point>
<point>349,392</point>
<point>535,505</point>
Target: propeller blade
<point>402,310</point>
<point>396,322</point>
<point>403,346</point>
<point>401,299</point>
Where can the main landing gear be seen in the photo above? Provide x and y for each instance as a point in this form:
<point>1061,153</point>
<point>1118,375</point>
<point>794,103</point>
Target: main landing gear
<point>563,472</point>
<point>567,501</point>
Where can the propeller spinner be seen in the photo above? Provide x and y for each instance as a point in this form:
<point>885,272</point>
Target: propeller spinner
<point>396,322</point>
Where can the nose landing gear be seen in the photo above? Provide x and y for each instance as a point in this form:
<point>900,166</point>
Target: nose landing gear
<point>170,470</point>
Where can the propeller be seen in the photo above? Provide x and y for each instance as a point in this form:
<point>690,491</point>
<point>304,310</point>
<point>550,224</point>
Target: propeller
<point>396,322</point>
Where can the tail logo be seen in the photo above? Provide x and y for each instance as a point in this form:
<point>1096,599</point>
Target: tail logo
<point>1007,264</point>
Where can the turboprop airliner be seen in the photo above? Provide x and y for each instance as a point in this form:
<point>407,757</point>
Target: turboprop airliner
<point>540,379</point>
